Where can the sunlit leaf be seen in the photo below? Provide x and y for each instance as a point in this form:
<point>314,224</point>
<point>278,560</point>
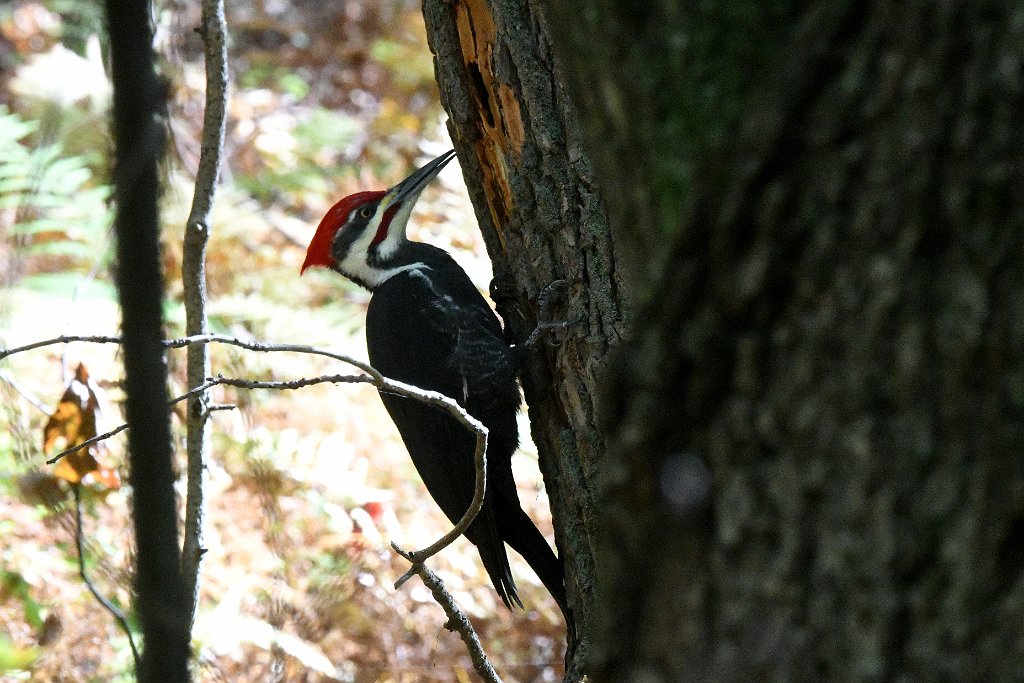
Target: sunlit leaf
<point>36,182</point>
<point>72,423</point>
<point>13,129</point>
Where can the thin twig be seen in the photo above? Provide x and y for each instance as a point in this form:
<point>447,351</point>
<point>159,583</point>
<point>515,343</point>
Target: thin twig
<point>457,620</point>
<point>118,429</point>
<point>25,393</point>
<point>288,384</point>
<point>88,442</point>
<point>63,339</point>
<point>200,339</point>
<point>263,347</point>
<point>107,605</point>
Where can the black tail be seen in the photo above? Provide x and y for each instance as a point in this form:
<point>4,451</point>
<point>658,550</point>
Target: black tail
<point>519,531</point>
<point>485,534</point>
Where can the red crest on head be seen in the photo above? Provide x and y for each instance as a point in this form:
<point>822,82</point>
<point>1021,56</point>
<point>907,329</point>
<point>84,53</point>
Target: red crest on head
<point>319,251</point>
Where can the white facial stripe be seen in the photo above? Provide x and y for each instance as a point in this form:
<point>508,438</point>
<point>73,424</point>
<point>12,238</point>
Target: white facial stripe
<point>396,229</point>
<point>355,261</point>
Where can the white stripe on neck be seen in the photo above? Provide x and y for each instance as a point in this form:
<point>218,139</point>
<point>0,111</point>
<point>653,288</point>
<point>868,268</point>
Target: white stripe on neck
<point>362,272</point>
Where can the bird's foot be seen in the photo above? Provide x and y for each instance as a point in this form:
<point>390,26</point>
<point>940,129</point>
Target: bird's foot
<point>553,295</point>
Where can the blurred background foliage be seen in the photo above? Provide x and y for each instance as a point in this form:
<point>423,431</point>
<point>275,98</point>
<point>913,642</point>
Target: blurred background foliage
<point>307,488</point>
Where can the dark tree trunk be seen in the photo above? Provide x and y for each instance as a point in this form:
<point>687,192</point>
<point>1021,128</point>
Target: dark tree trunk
<point>161,600</point>
<point>531,183</point>
<point>816,466</point>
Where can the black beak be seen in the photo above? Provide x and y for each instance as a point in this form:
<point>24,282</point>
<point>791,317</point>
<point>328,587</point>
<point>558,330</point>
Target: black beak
<point>418,179</point>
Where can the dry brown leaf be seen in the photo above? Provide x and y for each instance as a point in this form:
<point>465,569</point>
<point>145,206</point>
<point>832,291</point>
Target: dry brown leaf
<point>73,422</point>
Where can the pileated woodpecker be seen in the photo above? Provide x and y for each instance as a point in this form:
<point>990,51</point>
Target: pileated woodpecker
<point>428,326</point>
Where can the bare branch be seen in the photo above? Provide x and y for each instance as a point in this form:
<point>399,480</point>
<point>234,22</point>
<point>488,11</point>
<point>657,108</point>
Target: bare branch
<point>63,339</point>
<point>457,620</point>
<point>119,428</point>
<point>200,339</point>
<point>288,384</point>
<point>193,276</point>
<point>25,393</point>
<point>268,348</point>
<point>88,442</point>
<point>212,407</point>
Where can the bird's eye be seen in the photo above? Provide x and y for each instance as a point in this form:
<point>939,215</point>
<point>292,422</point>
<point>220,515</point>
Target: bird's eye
<point>365,212</point>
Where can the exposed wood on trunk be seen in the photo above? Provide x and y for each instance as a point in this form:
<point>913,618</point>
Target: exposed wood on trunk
<point>543,221</point>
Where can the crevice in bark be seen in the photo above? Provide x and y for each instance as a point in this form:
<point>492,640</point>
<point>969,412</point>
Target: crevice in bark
<point>480,90</point>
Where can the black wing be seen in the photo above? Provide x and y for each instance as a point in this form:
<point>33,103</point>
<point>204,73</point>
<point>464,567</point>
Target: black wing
<point>429,327</point>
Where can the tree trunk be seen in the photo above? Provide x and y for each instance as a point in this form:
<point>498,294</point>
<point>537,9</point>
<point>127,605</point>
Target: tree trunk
<point>531,184</point>
<point>161,603</point>
<point>815,468</point>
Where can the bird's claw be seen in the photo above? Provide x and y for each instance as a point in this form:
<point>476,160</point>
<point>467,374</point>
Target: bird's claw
<point>545,303</point>
<point>544,297</point>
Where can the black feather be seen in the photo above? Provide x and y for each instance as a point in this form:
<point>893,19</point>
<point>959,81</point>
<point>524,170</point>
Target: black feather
<point>428,326</point>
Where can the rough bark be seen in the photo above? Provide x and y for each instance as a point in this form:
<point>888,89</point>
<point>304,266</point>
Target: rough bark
<point>531,184</point>
<point>816,467</point>
<point>161,602</point>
